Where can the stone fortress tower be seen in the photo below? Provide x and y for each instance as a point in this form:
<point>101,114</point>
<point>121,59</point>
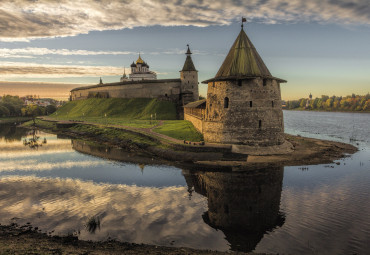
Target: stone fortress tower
<point>243,104</point>
<point>189,80</point>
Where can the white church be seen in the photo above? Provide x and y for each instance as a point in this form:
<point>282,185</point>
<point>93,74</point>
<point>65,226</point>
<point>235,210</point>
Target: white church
<point>139,71</point>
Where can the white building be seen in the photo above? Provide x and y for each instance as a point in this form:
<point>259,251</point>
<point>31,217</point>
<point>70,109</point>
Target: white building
<point>140,71</point>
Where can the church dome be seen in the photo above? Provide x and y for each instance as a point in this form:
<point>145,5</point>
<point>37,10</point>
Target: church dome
<point>139,60</point>
<point>133,64</point>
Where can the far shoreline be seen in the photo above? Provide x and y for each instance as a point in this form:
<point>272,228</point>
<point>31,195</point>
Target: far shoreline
<point>304,110</point>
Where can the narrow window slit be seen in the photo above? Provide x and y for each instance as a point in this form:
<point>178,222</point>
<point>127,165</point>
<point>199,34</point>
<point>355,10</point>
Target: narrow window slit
<point>226,102</point>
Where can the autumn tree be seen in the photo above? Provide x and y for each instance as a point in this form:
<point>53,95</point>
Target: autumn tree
<point>33,111</point>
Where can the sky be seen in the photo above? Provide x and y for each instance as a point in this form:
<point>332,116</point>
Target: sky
<point>49,47</point>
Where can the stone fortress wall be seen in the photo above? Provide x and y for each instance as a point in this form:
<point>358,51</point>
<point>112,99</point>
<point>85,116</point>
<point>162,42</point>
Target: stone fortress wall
<point>165,88</point>
<point>195,120</point>
<point>144,84</point>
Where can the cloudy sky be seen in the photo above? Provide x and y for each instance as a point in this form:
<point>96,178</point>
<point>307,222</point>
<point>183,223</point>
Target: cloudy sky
<point>47,47</point>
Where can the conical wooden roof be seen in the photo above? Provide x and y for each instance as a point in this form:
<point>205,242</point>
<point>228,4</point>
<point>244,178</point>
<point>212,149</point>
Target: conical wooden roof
<point>243,60</point>
<point>188,65</point>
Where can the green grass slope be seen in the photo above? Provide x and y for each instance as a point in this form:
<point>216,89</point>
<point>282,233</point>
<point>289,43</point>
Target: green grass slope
<point>137,108</point>
<point>180,129</point>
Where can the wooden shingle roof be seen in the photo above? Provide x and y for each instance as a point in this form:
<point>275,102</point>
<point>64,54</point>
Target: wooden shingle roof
<point>243,62</point>
<point>195,104</point>
<point>188,65</point>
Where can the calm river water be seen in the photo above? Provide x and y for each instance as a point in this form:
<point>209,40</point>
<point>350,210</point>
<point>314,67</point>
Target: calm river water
<point>320,209</point>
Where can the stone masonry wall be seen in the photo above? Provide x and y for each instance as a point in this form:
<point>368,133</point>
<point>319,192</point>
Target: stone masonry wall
<point>170,89</point>
<point>196,121</point>
<point>253,113</point>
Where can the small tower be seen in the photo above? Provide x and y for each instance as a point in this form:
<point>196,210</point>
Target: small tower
<point>243,100</point>
<point>100,81</point>
<point>189,80</point>
<point>124,76</point>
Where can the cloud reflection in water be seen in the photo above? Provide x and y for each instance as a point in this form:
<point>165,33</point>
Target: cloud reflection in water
<point>127,212</point>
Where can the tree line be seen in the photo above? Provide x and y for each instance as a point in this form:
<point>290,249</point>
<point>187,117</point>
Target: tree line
<point>349,103</point>
<point>13,106</point>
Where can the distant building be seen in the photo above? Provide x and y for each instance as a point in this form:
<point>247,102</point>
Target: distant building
<point>243,105</point>
<point>39,102</point>
<point>140,71</point>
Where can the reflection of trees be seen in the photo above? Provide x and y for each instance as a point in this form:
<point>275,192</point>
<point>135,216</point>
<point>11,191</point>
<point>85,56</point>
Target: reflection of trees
<point>12,133</point>
<point>92,224</point>
<point>244,205</point>
<point>34,142</point>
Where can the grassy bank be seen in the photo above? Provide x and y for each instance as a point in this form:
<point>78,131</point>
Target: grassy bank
<point>115,121</point>
<point>100,132</point>
<point>41,124</point>
<point>180,129</point>
<point>114,134</point>
<point>124,109</point>
<point>136,113</point>
<point>13,119</point>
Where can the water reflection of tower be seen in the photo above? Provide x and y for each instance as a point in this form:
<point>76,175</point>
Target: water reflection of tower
<point>244,205</point>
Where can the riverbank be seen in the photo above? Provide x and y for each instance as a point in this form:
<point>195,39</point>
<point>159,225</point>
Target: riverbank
<point>301,151</point>
<point>8,120</point>
<point>25,239</point>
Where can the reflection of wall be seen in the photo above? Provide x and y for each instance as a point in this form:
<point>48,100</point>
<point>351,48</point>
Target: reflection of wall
<point>110,152</point>
<point>244,205</point>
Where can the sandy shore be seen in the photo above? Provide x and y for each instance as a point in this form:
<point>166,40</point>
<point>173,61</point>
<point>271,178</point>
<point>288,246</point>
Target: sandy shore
<point>306,151</point>
<point>26,240</point>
